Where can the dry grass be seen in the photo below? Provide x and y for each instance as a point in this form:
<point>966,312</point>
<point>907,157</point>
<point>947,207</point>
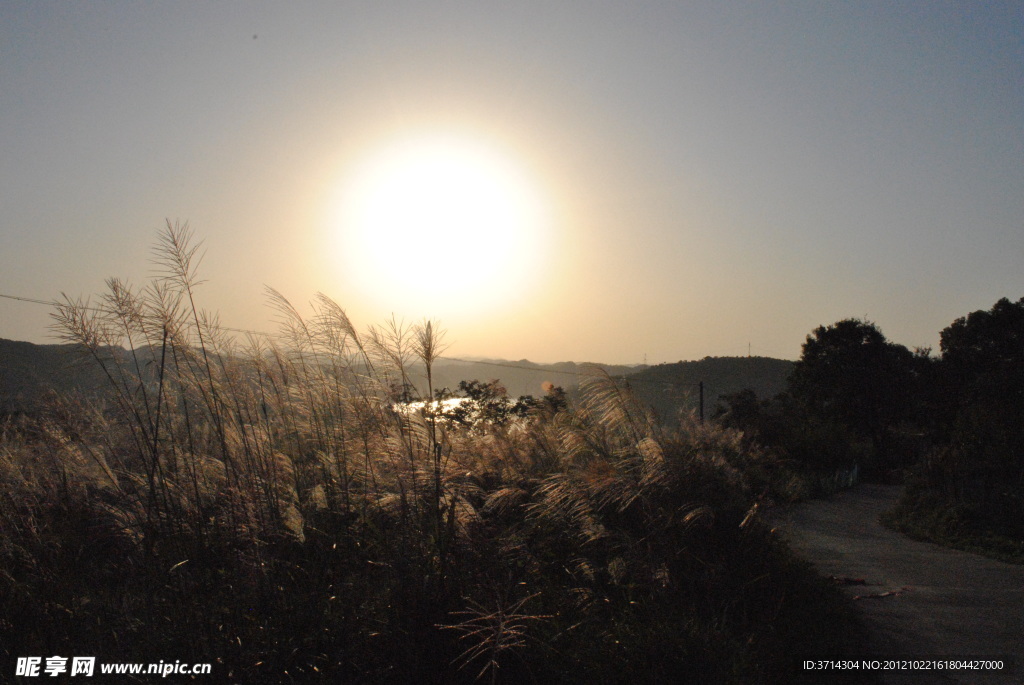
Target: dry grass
<point>261,504</point>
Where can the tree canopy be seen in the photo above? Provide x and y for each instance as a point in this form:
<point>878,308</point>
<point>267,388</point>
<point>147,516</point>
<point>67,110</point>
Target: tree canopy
<point>983,360</point>
<point>849,372</point>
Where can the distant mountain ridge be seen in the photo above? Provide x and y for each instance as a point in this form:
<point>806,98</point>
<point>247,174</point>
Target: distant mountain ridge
<point>30,372</point>
<point>521,377</point>
<point>671,388</point>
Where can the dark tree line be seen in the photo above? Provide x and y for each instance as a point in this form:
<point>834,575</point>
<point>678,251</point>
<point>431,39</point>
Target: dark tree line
<point>953,422</point>
<point>977,468</point>
<point>852,399</point>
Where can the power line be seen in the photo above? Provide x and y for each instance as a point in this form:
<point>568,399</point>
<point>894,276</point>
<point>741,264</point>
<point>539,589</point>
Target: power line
<point>28,299</point>
<point>100,310</point>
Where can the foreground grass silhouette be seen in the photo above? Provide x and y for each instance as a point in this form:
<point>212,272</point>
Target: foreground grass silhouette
<point>264,507</point>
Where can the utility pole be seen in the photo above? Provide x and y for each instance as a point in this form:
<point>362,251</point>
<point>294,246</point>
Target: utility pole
<point>701,386</point>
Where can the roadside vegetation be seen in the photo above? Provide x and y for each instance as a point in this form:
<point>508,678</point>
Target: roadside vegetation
<point>968,491</point>
<point>281,509</point>
<point>951,427</point>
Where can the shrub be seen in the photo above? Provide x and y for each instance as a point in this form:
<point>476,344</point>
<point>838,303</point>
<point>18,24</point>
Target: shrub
<point>269,509</point>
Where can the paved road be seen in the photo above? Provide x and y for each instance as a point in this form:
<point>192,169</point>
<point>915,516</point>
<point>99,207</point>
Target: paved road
<point>943,603</point>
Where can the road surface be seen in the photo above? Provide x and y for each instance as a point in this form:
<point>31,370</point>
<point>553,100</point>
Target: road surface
<point>918,600</point>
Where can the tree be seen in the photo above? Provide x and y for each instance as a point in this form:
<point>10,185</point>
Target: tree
<point>981,376</point>
<point>485,403</point>
<point>982,363</point>
<point>849,373</point>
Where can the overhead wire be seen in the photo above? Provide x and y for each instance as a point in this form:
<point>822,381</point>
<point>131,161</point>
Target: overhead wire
<point>509,365</point>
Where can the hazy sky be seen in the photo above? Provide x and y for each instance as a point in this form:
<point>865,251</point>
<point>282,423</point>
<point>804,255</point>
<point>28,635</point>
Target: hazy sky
<point>705,175</point>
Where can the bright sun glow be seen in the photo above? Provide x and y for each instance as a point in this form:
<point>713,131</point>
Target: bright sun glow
<point>441,225</point>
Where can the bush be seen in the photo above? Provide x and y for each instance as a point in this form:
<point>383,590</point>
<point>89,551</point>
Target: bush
<point>968,491</point>
<point>820,454</point>
<point>272,511</point>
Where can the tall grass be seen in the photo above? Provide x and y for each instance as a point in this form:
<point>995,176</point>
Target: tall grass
<point>261,504</point>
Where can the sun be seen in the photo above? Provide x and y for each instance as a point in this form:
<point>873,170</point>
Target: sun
<point>441,224</point>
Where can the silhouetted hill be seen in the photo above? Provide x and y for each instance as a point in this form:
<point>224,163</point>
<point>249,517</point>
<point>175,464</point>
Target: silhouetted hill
<point>521,377</point>
<point>670,388</point>
<point>29,372</point>
<point>667,388</point>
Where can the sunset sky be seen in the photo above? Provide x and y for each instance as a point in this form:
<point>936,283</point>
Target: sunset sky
<point>614,180</point>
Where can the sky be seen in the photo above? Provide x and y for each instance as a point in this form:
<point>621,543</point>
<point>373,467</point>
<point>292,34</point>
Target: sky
<point>701,178</point>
